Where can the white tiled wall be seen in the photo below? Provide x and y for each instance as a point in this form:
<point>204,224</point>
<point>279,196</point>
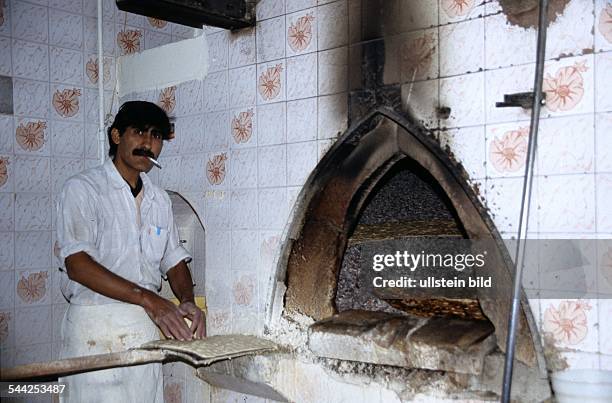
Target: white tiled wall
<point>291,72</point>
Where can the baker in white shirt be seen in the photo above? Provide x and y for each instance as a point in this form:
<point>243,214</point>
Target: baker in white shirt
<point>116,237</point>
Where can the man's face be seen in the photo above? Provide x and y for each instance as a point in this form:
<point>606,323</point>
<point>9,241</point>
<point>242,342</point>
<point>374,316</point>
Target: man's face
<point>149,139</point>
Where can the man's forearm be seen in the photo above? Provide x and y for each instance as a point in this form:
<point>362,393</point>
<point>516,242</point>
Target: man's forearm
<point>181,282</point>
<point>86,271</point>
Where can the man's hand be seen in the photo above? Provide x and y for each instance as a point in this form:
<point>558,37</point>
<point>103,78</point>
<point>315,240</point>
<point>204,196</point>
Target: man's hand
<point>166,315</point>
<point>197,317</point>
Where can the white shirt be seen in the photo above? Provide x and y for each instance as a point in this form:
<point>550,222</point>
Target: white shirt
<point>97,214</point>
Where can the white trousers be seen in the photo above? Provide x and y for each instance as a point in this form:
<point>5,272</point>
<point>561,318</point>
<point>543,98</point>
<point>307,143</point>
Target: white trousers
<point>110,328</point>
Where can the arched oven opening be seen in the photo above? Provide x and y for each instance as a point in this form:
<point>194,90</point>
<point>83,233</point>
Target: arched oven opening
<point>386,180</point>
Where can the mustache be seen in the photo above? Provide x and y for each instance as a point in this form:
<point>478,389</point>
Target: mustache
<point>143,152</point>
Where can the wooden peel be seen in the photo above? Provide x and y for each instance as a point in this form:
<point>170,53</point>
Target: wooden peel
<point>198,352</point>
<point>76,365</point>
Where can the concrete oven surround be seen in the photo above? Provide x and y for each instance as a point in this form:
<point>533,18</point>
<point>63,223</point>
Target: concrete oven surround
<point>403,357</point>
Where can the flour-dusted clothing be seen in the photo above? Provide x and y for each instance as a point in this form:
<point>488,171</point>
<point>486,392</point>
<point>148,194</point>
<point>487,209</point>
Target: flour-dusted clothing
<point>97,214</point>
<point>109,328</point>
<point>135,238</point>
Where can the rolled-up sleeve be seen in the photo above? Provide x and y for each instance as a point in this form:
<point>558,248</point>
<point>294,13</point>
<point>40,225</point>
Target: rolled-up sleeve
<point>76,222</point>
<point>174,252</point>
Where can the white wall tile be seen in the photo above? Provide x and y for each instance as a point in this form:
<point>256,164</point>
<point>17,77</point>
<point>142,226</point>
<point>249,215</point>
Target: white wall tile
<point>7,289</point>
<point>603,141</point>
<point>568,84</point>
<point>465,96</point>
<point>217,213</point>
<point>270,39</point>
<point>300,117</point>
<point>7,216</point>
<point>302,76</point>
<point>603,184</point>
<point>333,71</point>
<point>190,130</point>
<point>32,174</point>
<point>31,98</point>
<point>218,252</point>
<point>572,31</point>
<point>462,47</point>
<point>193,172</point>
<point>566,145</point>
<point>506,149</point>
<point>603,25</point>
<point>32,212</point>
<point>269,8</point>
<point>244,250</point>
<point>75,111</point>
<point>128,39</point>
<point>242,47</point>
<point>243,169</point>
<point>33,325</point>
<point>62,169</point>
<point>37,290</point>
<point>271,123</point>
<point>503,201</point>
<point>189,96</point>
<point>7,249</point>
<point>243,86</point>
<point>7,133</point>
<point>31,60</point>
<point>216,91</point>
<point>272,208</point>
<point>243,128</point>
<point>503,39</point>
<point>244,290</point>
<point>332,115</point>
<point>169,177</point>
<point>566,203</point>
<point>468,146</point>
<point>301,160</point>
<point>271,82</point>
<point>454,11</point>
<point>218,50</point>
<point>296,5</point>
<point>217,131</point>
<point>6,68</point>
<point>67,138</point>
<point>332,25</point>
<point>74,6</point>
<point>30,22</point>
<point>38,146</point>
<point>32,249</point>
<point>243,209</point>
<point>603,84</point>
<point>272,166</point>
<point>301,32</point>
<point>66,66</point>
<point>65,29</point>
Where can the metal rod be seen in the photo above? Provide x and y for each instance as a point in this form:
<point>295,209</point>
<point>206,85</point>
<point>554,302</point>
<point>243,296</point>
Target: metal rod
<point>525,204</point>
<point>81,364</point>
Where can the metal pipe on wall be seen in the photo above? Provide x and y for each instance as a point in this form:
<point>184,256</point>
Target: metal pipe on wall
<point>101,133</point>
<point>519,259</point>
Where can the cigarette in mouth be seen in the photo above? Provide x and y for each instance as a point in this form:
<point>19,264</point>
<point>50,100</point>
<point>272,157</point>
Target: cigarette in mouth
<point>145,153</point>
<point>154,161</point>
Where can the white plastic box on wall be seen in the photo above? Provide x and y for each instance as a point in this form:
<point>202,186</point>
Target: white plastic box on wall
<point>163,66</point>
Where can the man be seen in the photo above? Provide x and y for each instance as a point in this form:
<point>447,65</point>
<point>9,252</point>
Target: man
<point>117,238</point>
